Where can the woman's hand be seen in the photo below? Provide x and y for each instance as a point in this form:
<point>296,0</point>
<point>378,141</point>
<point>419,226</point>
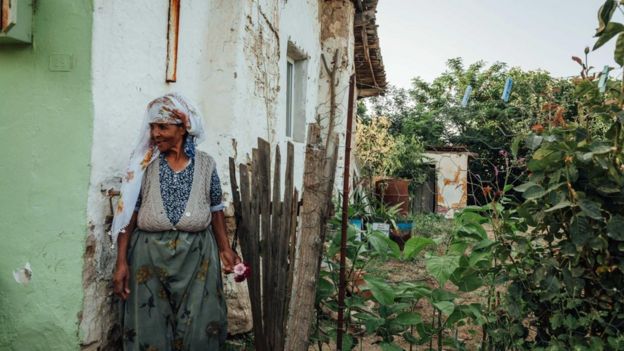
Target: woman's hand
<point>179,115</point>
<point>120,281</point>
<point>229,259</point>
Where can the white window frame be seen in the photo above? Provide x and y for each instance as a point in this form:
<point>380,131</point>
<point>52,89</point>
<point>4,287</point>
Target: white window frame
<point>297,80</point>
<point>290,96</point>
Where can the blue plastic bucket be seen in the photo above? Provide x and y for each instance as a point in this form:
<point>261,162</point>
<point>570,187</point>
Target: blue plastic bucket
<point>404,226</point>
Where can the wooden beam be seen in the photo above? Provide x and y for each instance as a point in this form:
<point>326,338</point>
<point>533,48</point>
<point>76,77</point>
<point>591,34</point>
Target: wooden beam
<point>7,15</point>
<point>310,246</point>
<point>173,28</point>
<point>367,55</point>
<point>368,92</point>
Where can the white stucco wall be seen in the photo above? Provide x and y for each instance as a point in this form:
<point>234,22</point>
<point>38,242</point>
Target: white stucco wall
<point>451,181</point>
<point>231,64</point>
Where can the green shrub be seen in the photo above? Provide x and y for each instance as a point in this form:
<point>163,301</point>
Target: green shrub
<point>431,225</point>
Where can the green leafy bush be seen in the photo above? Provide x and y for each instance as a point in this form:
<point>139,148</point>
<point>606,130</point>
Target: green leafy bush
<point>431,225</point>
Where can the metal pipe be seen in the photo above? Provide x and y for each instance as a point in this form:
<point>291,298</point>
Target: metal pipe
<point>345,214</point>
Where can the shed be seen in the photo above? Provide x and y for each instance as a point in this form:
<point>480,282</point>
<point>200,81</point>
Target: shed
<point>446,189</point>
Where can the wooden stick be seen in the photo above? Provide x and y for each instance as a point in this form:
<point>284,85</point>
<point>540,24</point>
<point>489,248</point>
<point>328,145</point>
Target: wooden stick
<point>310,245</point>
<point>249,250</point>
<point>173,28</point>
<point>237,202</point>
<point>345,216</point>
<point>264,202</point>
<point>275,297</point>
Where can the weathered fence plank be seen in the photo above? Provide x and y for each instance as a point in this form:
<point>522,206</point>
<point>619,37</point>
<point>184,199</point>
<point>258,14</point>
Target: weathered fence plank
<point>250,253</point>
<point>288,217</point>
<point>254,238</point>
<point>264,181</point>
<point>272,246</point>
<point>236,200</point>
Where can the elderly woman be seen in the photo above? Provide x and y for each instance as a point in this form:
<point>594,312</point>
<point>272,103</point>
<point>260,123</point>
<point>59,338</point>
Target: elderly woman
<point>168,262</point>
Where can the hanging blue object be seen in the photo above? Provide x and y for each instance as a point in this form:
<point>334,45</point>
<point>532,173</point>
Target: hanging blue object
<point>602,84</point>
<point>507,90</point>
<point>466,98</point>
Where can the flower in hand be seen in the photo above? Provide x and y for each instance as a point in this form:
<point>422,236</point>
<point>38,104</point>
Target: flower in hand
<point>242,271</point>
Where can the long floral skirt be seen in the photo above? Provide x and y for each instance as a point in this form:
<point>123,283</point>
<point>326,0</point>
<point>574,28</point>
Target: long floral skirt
<point>176,297</point>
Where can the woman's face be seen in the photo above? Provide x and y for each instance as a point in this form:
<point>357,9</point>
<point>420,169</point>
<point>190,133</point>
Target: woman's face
<point>166,136</point>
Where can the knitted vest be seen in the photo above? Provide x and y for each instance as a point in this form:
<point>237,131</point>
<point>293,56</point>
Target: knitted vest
<point>196,217</point>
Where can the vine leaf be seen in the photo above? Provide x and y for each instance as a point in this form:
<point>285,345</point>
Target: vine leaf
<point>590,209</point>
<point>442,267</point>
<point>415,245</point>
<point>615,228</point>
<point>618,55</point>
<point>381,291</point>
<point>613,29</point>
<point>408,318</point>
<point>447,307</point>
<point>604,16</point>
<point>559,206</point>
<point>534,192</point>
<point>580,230</point>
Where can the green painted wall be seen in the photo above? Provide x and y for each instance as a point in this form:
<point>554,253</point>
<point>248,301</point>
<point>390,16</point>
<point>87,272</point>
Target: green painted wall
<point>45,142</point>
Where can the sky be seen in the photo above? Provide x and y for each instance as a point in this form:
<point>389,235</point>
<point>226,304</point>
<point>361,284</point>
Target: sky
<point>417,37</point>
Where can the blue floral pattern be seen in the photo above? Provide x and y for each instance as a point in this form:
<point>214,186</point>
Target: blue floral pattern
<point>216,195</point>
<point>175,188</point>
<point>189,146</point>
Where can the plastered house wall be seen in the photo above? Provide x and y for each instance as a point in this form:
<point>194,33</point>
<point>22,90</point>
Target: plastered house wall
<point>45,141</point>
<point>232,64</point>
<point>67,133</point>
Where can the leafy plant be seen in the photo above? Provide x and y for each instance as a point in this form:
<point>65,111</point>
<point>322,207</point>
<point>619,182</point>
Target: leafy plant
<point>546,254</point>
<point>432,113</point>
<point>386,318</point>
<point>431,225</point>
<point>559,253</point>
<point>568,271</point>
<point>375,306</point>
<point>377,150</point>
<point>384,213</point>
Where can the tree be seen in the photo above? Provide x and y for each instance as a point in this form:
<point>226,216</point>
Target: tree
<point>433,112</point>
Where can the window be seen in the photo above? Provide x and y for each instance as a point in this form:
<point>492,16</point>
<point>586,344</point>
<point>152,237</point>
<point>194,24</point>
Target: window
<point>290,71</point>
<point>296,96</point>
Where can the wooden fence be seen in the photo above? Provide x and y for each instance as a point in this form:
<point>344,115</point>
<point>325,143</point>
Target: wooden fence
<point>266,222</point>
<point>267,226</point>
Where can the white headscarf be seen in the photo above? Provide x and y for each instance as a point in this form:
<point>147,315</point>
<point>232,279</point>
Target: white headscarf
<point>145,152</point>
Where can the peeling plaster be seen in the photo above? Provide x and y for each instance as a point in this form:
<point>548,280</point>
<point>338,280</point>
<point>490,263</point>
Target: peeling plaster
<point>334,16</point>
<point>232,59</point>
<point>451,181</point>
<point>262,53</point>
<point>23,275</point>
